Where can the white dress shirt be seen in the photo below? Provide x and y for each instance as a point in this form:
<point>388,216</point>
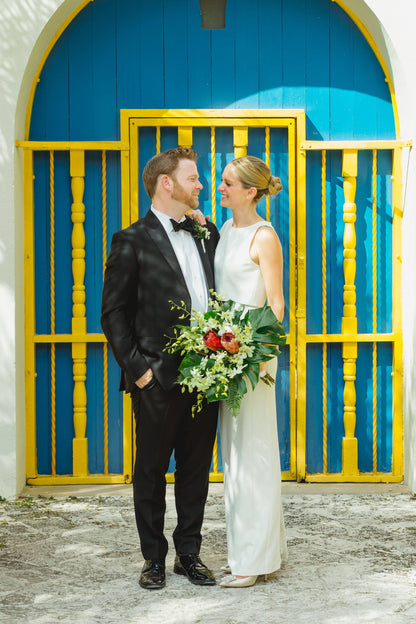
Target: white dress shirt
<point>184,246</point>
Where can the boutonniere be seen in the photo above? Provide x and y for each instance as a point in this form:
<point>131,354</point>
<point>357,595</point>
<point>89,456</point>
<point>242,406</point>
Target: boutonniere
<point>201,232</point>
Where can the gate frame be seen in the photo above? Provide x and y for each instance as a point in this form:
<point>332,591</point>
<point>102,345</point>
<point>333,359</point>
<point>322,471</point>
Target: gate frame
<point>240,120</point>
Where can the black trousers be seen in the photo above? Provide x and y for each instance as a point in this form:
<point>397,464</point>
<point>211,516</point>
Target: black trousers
<point>164,423</point>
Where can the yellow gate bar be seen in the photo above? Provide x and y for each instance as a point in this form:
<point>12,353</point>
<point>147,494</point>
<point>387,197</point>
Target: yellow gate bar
<point>397,467</point>
<point>295,133</point>
<point>314,338</point>
<point>29,312</point>
<point>132,213</point>
<point>185,138</point>
<point>213,178</point>
<point>324,320</point>
<point>301,305</point>
<point>105,345</point>
<point>207,116</point>
<point>240,140</point>
<point>267,161</point>
<point>39,146</point>
<point>374,323</point>
<point>52,310</point>
<point>385,144</point>
<point>63,338</point>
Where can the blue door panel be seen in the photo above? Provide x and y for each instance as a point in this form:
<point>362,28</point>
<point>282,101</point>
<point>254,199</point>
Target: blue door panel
<point>95,413</point>
<point>43,415</point>
<point>64,430</point>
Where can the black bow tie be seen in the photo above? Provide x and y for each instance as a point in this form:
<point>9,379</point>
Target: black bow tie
<point>187,225</point>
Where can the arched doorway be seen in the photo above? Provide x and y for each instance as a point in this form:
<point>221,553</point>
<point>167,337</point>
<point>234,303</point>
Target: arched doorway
<point>292,58</point>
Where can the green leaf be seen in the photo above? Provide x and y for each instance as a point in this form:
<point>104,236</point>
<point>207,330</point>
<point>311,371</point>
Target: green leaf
<point>264,321</point>
<point>210,314</point>
<point>210,363</point>
<point>233,399</point>
<point>189,362</point>
<point>212,395</point>
<point>241,386</point>
<point>253,374</point>
<point>262,316</point>
<point>262,353</point>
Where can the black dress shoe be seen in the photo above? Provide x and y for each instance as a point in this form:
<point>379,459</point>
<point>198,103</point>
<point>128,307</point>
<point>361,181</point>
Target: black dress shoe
<point>192,567</point>
<point>153,574</point>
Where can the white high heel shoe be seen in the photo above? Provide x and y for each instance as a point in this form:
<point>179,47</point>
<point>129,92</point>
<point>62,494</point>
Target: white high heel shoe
<point>234,581</point>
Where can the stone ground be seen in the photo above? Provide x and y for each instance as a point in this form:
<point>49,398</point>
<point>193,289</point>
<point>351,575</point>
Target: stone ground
<point>70,555</point>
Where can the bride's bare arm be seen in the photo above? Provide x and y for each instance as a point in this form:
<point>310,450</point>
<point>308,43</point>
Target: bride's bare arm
<point>266,251</point>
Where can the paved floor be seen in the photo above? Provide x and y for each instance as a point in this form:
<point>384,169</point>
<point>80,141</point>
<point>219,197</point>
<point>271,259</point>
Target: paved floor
<point>70,554</point>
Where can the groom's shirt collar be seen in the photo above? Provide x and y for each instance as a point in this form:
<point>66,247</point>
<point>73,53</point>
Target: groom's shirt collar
<point>165,219</point>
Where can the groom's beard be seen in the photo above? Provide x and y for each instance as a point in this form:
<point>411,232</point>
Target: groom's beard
<point>189,198</point>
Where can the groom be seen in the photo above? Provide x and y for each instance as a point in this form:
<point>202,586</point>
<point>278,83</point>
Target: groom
<point>153,262</point>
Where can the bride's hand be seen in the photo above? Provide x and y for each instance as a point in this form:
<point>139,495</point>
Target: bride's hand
<point>262,369</point>
<point>197,215</point>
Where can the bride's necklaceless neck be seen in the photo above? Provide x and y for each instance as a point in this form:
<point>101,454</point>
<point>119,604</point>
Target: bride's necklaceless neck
<point>245,216</point>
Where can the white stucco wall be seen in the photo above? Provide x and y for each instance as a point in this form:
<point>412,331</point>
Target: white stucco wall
<point>26,27</point>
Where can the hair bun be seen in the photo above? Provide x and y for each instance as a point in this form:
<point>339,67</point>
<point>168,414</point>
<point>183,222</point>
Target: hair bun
<point>275,185</point>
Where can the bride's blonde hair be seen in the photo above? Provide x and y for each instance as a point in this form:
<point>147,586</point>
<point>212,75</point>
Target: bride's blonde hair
<point>253,172</point>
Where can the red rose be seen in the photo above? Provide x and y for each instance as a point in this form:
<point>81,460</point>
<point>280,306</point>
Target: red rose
<point>212,341</point>
<point>230,343</point>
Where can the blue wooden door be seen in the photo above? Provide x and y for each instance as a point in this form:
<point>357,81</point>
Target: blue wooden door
<point>134,54</point>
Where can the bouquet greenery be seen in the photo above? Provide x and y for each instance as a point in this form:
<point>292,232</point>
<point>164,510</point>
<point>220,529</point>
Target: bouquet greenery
<point>223,349</point>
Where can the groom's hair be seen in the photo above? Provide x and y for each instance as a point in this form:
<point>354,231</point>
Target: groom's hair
<point>164,164</point>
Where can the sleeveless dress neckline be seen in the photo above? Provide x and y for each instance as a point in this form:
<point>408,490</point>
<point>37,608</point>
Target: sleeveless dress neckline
<point>235,227</point>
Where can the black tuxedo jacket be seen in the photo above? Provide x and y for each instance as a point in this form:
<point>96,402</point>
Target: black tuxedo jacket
<point>142,275</point>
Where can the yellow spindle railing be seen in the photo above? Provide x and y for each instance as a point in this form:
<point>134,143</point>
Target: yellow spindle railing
<point>349,319</point>
<point>324,321</point>
<point>105,345</point>
<point>374,236</point>
<point>267,161</point>
<point>79,321</point>
<point>52,310</point>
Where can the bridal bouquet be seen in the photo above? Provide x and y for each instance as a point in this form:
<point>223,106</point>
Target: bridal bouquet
<point>222,350</point>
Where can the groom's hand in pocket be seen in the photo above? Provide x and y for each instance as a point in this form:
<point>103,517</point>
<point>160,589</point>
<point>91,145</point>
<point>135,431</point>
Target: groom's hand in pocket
<point>145,379</point>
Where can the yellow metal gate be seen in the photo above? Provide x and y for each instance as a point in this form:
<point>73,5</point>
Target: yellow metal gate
<point>217,135</point>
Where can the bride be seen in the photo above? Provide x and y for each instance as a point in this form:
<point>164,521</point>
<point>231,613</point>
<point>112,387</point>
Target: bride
<point>248,269</point>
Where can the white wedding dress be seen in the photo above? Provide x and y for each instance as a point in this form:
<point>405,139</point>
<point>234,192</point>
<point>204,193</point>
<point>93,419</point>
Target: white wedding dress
<point>250,453</point>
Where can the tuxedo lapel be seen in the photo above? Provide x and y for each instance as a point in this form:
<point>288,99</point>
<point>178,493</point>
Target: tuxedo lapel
<point>205,262</point>
<point>161,240</point>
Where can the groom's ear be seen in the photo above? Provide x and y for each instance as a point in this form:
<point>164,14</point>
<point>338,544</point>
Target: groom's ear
<point>166,182</point>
